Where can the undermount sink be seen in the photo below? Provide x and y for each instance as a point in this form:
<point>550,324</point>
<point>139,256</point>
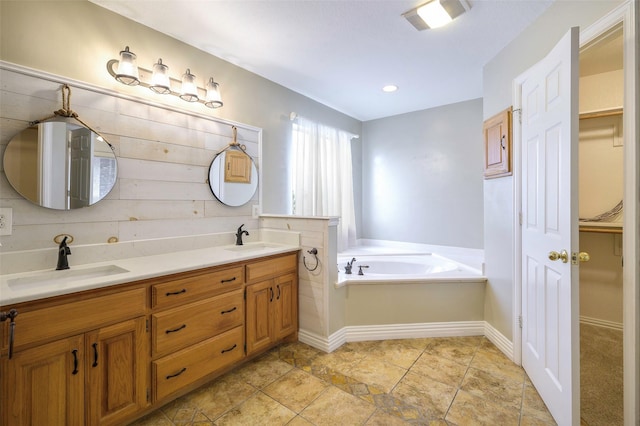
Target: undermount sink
<point>251,247</point>
<point>51,278</point>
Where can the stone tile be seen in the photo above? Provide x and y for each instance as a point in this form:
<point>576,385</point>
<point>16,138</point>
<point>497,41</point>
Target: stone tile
<point>471,410</point>
<point>490,359</point>
<point>459,349</point>
<point>296,389</point>
<point>440,369</point>
<point>263,371</point>
<point>398,352</point>
<point>429,398</point>
<point>529,420</point>
<point>335,407</point>
<point>339,360</point>
<point>157,418</point>
<point>493,388</point>
<point>297,354</point>
<point>221,395</point>
<point>299,421</point>
<point>201,420</point>
<point>534,406</point>
<point>381,418</point>
<point>377,373</point>
<point>257,410</point>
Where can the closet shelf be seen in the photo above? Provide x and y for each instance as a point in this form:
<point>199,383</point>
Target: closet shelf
<point>602,227</point>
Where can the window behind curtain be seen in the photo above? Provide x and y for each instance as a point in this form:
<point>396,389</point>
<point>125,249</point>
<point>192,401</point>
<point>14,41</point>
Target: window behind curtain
<point>321,177</point>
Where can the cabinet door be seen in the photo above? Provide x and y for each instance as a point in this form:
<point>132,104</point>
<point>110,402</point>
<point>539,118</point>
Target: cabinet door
<point>259,316</point>
<point>46,385</point>
<point>117,369</point>
<point>286,305</point>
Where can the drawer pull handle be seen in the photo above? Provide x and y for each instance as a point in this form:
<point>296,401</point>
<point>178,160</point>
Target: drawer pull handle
<point>229,350</point>
<point>278,286</point>
<point>95,355</point>
<point>184,290</point>
<point>228,280</point>
<point>75,361</point>
<point>171,376</point>
<point>176,329</point>
<point>271,298</point>
<point>228,310</point>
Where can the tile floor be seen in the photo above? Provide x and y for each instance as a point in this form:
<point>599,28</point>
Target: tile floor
<point>431,381</point>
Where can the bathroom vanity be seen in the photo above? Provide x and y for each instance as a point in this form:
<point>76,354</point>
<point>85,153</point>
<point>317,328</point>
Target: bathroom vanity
<point>110,354</point>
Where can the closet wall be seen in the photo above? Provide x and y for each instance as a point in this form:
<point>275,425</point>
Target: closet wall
<point>600,190</point>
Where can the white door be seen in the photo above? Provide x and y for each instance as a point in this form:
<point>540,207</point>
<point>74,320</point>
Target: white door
<point>550,333</point>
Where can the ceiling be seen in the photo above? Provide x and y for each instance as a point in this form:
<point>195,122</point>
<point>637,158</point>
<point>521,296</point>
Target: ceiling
<point>342,52</point>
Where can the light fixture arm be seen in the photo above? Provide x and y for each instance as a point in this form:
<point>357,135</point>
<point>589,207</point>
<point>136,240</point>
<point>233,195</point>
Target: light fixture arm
<point>112,66</point>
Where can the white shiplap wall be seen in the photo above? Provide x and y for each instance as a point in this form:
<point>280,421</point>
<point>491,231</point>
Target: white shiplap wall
<point>163,156</point>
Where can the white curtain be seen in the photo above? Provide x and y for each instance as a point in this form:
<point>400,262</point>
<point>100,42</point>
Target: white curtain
<point>321,178</point>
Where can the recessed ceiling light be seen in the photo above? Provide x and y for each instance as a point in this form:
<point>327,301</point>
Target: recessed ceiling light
<point>390,88</point>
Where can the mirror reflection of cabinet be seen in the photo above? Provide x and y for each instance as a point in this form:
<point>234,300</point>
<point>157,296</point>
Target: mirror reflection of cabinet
<point>233,177</point>
<point>497,145</point>
<point>60,165</point>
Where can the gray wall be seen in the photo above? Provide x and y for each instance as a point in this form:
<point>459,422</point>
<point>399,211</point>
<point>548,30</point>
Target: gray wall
<point>422,176</point>
<point>498,75</point>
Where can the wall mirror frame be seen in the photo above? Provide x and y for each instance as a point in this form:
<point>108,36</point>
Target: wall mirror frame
<point>233,175</point>
<point>60,162</point>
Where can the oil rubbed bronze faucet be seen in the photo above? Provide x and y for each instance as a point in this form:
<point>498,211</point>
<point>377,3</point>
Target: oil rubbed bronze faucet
<point>348,266</point>
<point>63,252</point>
<point>239,235</point>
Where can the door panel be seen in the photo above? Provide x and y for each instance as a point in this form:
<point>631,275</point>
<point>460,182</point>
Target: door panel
<point>550,352</point>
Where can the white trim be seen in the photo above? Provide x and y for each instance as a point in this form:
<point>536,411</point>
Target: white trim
<point>601,323</point>
<point>358,333</point>
<point>505,345</point>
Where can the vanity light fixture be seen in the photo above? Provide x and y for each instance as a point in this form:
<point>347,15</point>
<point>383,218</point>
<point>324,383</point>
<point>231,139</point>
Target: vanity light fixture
<point>436,13</point>
<point>126,71</point>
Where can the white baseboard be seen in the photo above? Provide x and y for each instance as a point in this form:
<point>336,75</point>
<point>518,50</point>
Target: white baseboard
<point>505,345</point>
<point>601,323</point>
<point>391,331</point>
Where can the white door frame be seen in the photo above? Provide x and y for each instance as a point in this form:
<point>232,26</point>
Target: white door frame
<point>627,15</point>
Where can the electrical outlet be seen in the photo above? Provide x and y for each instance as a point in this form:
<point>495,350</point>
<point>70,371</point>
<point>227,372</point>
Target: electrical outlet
<point>255,211</point>
<point>6,222</point>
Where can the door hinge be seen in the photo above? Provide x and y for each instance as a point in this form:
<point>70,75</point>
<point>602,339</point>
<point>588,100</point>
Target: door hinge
<point>520,321</point>
<point>245,293</point>
<point>520,218</point>
<point>147,325</point>
<point>245,348</point>
<point>519,111</point>
<point>148,395</point>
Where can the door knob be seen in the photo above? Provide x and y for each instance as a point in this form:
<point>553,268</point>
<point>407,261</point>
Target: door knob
<point>563,255</point>
<point>583,256</point>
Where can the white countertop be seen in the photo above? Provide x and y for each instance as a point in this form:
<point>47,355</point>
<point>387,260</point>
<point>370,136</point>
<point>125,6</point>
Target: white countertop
<point>33,285</point>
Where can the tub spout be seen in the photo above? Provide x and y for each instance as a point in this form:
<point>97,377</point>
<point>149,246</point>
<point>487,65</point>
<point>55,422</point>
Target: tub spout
<point>360,270</point>
<point>348,266</point>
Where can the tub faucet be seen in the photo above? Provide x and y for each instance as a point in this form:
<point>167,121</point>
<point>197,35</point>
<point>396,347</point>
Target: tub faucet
<point>360,270</point>
<point>349,265</point>
<point>63,252</point>
<point>239,235</point>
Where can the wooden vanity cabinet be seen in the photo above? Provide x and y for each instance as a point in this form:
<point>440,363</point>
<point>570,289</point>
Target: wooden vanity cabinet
<point>110,355</point>
<point>272,302</point>
<point>98,376</point>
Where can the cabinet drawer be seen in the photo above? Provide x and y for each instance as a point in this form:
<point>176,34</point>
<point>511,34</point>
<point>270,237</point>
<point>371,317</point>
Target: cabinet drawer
<point>76,317</point>
<point>175,371</point>
<point>195,287</point>
<point>263,269</point>
<point>179,327</point>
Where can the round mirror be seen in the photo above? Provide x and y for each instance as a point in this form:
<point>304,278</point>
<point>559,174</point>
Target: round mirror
<point>233,177</point>
<point>60,165</point>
